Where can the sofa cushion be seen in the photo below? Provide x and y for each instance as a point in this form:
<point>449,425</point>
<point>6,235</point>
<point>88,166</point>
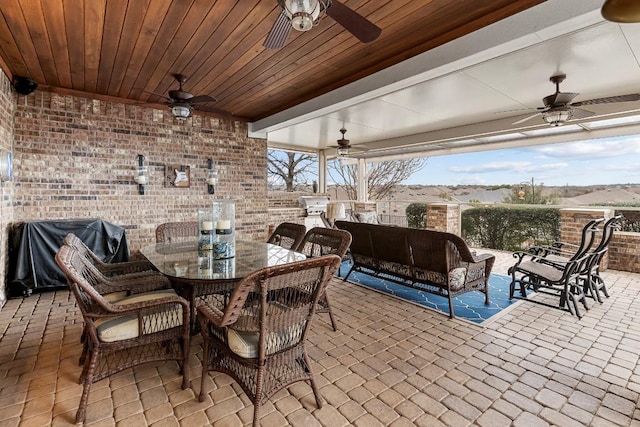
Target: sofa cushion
<point>368,217</point>
<point>457,278</point>
<point>124,327</point>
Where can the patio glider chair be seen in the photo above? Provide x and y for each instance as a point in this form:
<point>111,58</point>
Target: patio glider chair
<point>321,241</point>
<point>176,231</point>
<point>287,235</point>
<point>141,328</point>
<point>554,273</point>
<point>257,336</point>
<point>593,283</point>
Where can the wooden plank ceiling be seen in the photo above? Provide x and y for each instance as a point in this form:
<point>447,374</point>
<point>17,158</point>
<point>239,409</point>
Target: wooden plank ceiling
<point>132,48</point>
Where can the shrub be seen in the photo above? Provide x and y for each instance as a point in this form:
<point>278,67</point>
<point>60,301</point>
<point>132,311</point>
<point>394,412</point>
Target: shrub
<point>416,215</point>
<point>510,229</point>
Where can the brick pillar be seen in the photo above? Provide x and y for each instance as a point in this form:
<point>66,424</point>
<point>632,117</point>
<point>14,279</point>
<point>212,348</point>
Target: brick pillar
<point>444,217</point>
<point>572,221</point>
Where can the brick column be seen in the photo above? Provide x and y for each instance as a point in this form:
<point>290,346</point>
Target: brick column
<point>444,217</point>
<point>573,220</point>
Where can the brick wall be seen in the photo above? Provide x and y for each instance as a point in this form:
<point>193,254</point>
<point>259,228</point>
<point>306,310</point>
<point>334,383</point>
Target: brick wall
<point>75,157</point>
<point>624,252</point>
<point>7,110</point>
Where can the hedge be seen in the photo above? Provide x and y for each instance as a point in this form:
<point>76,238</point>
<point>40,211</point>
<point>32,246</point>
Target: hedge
<point>510,229</point>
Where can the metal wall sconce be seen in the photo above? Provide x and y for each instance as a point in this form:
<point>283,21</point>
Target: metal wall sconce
<point>141,174</point>
<point>212,177</point>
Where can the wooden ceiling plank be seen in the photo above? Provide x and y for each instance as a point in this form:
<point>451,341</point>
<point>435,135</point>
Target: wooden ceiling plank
<point>74,27</point>
<point>329,40</point>
<point>330,45</point>
<point>19,31</point>
<point>161,78</point>
<point>150,28</point>
<point>10,52</point>
<point>167,30</point>
<point>249,61</point>
<point>114,22</point>
<point>94,21</point>
<point>34,15</point>
<point>228,43</point>
<point>136,11</point>
<point>53,13</point>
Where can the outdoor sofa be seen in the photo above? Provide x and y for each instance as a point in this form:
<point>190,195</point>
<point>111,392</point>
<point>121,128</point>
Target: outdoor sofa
<point>432,261</point>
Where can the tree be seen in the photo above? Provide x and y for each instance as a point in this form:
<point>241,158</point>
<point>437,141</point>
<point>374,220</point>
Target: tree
<point>291,168</point>
<point>381,176</point>
<point>531,195</point>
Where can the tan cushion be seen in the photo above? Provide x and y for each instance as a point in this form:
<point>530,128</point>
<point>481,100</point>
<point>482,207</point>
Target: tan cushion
<point>457,278</point>
<point>245,344</point>
<point>126,326</point>
<point>115,296</point>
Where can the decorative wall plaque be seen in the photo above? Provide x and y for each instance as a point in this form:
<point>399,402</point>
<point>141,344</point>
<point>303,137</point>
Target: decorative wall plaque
<point>178,176</point>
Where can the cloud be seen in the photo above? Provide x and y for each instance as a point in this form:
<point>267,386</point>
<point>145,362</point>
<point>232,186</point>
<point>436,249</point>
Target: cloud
<point>517,167</point>
<point>593,149</point>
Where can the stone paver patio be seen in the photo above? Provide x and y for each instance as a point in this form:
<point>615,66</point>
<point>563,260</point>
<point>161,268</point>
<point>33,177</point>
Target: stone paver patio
<point>391,363</point>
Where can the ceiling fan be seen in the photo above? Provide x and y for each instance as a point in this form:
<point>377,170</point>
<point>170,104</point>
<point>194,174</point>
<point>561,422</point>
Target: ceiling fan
<point>559,109</point>
<point>344,146</point>
<point>302,15</point>
<point>182,103</point>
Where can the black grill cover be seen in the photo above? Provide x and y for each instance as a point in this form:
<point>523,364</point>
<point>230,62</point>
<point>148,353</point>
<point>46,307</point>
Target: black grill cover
<point>33,246</point>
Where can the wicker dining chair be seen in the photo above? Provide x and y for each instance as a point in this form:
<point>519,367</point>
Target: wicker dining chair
<point>321,241</point>
<point>257,335</point>
<point>141,267</point>
<point>288,235</point>
<point>175,231</point>
<point>144,327</point>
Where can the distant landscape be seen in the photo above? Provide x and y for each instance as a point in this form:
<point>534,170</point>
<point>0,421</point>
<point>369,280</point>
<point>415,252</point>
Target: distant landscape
<point>623,194</point>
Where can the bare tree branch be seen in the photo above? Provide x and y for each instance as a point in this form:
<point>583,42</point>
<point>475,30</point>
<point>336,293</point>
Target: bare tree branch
<point>382,176</point>
<point>290,168</point>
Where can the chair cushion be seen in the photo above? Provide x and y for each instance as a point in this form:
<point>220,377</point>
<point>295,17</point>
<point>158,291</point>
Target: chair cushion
<point>457,278</point>
<point>245,344</point>
<point>124,327</point>
<point>368,217</point>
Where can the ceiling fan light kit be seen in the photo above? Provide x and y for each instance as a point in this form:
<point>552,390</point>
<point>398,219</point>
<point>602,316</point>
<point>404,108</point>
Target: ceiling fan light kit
<point>181,111</point>
<point>302,14</point>
<point>623,11</point>
<point>558,116</point>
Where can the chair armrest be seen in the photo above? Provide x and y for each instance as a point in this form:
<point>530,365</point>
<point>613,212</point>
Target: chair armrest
<point>129,267</point>
<point>133,284</point>
<point>169,300</point>
<point>210,313</point>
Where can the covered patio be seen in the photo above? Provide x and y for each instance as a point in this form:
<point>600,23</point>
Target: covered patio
<point>391,363</point>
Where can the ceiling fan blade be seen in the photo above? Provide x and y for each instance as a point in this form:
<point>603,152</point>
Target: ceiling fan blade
<point>157,94</point>
<point>579,113</point>
<point>365,30</point>
<point>279,32</point>
<point>527,118</point>
<point>609,99</point>
<point>559,98</point>
<point>203,98</point>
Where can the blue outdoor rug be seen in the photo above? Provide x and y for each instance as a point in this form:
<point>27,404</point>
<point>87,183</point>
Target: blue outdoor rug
<point>469,306</point>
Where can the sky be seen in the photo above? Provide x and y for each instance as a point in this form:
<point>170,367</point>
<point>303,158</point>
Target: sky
<point>593,162</point>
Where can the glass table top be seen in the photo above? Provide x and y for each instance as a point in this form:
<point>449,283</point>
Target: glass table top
<point>183,260</point>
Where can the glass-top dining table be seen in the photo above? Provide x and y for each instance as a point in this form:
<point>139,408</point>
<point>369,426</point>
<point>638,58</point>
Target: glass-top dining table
<point>197,276</point>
